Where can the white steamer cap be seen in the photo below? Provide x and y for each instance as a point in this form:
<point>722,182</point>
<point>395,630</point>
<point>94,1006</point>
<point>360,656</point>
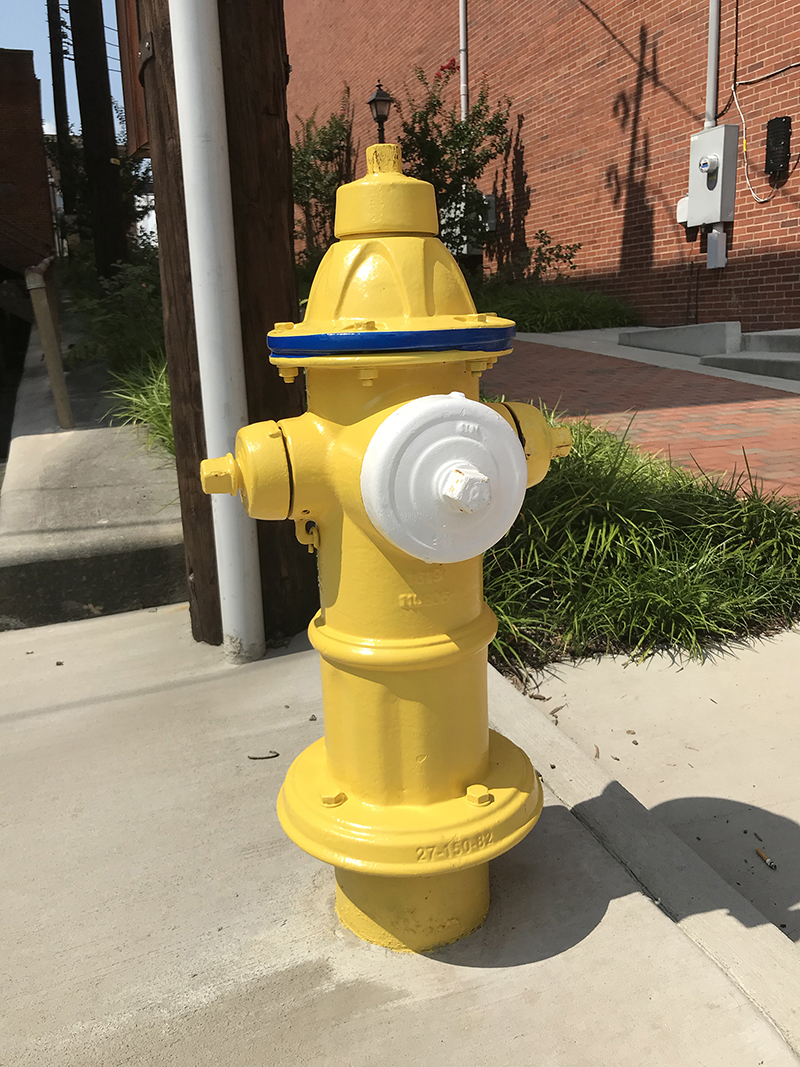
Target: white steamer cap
<point>443,478</point>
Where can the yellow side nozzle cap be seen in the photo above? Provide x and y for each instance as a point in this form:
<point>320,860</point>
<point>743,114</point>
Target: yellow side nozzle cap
<point>386,201</point>
<point>220,475</point>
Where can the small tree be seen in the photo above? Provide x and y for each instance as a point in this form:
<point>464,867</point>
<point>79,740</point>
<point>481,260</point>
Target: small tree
<point>322,160</point>
<point>136,180</point>
<point>452,153</point>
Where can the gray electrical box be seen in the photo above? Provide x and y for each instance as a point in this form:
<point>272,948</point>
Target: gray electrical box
<point>712,175</point>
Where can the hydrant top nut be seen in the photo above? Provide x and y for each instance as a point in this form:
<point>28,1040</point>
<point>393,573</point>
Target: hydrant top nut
<point>467,488</point>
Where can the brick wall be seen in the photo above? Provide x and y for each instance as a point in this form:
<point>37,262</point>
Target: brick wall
<point>26,232</point>
<point>605,96</point>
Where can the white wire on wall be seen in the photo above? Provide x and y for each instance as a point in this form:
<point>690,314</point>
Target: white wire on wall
<point>753,193</point>
<point>737,82</point>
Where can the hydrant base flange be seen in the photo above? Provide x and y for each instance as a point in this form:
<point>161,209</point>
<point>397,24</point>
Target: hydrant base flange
<point>403,840</point>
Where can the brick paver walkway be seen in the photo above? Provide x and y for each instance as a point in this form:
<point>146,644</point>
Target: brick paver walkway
<point>694,418</point>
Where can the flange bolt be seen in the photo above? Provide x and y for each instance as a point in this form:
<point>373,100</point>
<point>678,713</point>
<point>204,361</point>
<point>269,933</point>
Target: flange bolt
<point>479,795</point>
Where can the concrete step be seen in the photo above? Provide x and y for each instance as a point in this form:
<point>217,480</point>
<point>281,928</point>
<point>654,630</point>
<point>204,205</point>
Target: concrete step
<point>771,364</point>
<point>89,525</point>
<point>89,518</point>
<point>772,341</point>
<point>699,339</point>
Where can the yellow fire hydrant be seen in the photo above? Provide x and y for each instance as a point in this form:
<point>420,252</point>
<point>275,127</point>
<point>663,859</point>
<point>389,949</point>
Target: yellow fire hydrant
<point>400,478</point>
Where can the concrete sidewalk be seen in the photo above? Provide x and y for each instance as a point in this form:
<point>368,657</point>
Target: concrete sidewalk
<point>156,914</point>
<point>711,748</point>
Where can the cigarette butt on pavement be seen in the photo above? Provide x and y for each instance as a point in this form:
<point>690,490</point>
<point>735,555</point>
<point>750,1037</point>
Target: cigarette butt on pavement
<point>773,866</point>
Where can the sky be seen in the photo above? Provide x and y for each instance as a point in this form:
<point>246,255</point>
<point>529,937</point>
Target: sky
<point>23,24</point>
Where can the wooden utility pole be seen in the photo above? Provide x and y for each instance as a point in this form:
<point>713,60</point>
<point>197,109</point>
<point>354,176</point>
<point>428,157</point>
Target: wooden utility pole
<point>256,69</point>
<point>180,340</point>
<point>67,177</point>
<point>100,160</point>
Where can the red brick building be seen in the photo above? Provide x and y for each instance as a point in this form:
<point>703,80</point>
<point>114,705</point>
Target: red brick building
<point>26,226</point>
<point>605,96</point>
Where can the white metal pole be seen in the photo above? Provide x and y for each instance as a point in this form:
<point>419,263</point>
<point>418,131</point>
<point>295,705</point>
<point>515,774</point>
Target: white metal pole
<point>197,59</point>
<point>712,70</point>
<point>463,57</point>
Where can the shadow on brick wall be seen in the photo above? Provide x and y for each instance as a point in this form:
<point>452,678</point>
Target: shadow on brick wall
<point>509,248</point>
<point>636,248</point>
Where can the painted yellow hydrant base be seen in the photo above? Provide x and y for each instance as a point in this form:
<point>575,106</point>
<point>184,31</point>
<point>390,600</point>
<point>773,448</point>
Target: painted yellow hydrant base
<point>413,914</point>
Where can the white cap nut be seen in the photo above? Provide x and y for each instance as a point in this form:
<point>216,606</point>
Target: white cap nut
<point>467,488</point>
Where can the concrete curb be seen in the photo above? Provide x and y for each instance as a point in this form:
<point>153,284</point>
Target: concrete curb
<point>87,527</point>
<point>757,957</point>
<point>39,592</point>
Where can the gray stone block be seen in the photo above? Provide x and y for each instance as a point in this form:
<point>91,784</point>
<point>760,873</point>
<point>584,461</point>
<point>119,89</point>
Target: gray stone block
<point>772,341</point>
<point>701,339</point>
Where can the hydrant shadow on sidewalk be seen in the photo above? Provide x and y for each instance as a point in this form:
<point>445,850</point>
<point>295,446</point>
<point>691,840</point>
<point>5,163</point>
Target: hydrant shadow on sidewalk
<point>730,836</point>
<point>555,887</point>
<point>548,894</point>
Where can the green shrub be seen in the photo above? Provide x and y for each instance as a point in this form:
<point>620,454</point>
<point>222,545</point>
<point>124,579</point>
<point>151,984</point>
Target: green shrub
<point>322,160</point>
<point>619,551</point>
<point>452,153</point>
<point>120,318</point>
<point>552,307</point>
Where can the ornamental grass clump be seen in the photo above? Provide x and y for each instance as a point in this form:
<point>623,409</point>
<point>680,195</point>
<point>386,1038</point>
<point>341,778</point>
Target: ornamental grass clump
<point>141,396</point>
<point>619,551</point>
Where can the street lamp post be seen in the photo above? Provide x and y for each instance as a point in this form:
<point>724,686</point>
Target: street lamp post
<point>380,104</point>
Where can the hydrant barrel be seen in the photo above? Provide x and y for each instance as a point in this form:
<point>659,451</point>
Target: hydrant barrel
<point>399,478</point>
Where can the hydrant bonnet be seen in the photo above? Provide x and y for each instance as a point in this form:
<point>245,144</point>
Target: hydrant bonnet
<point>388,285</point>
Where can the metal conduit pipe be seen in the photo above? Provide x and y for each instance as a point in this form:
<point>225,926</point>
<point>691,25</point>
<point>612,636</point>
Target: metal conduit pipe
<point>199,88</point>
<point>712,70</point>
<point>463,57</point>
<point>717,254</point>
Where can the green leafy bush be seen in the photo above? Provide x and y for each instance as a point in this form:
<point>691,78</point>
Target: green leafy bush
<point>136,179</point>
<point>451,153</point>
<point>619,551</point>
<point>545,259</point>
<point>120,324</point>
<point>120,318</point>
<point>322,160</point>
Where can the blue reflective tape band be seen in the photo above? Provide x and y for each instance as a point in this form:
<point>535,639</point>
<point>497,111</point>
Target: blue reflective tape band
<point>482,339</point>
